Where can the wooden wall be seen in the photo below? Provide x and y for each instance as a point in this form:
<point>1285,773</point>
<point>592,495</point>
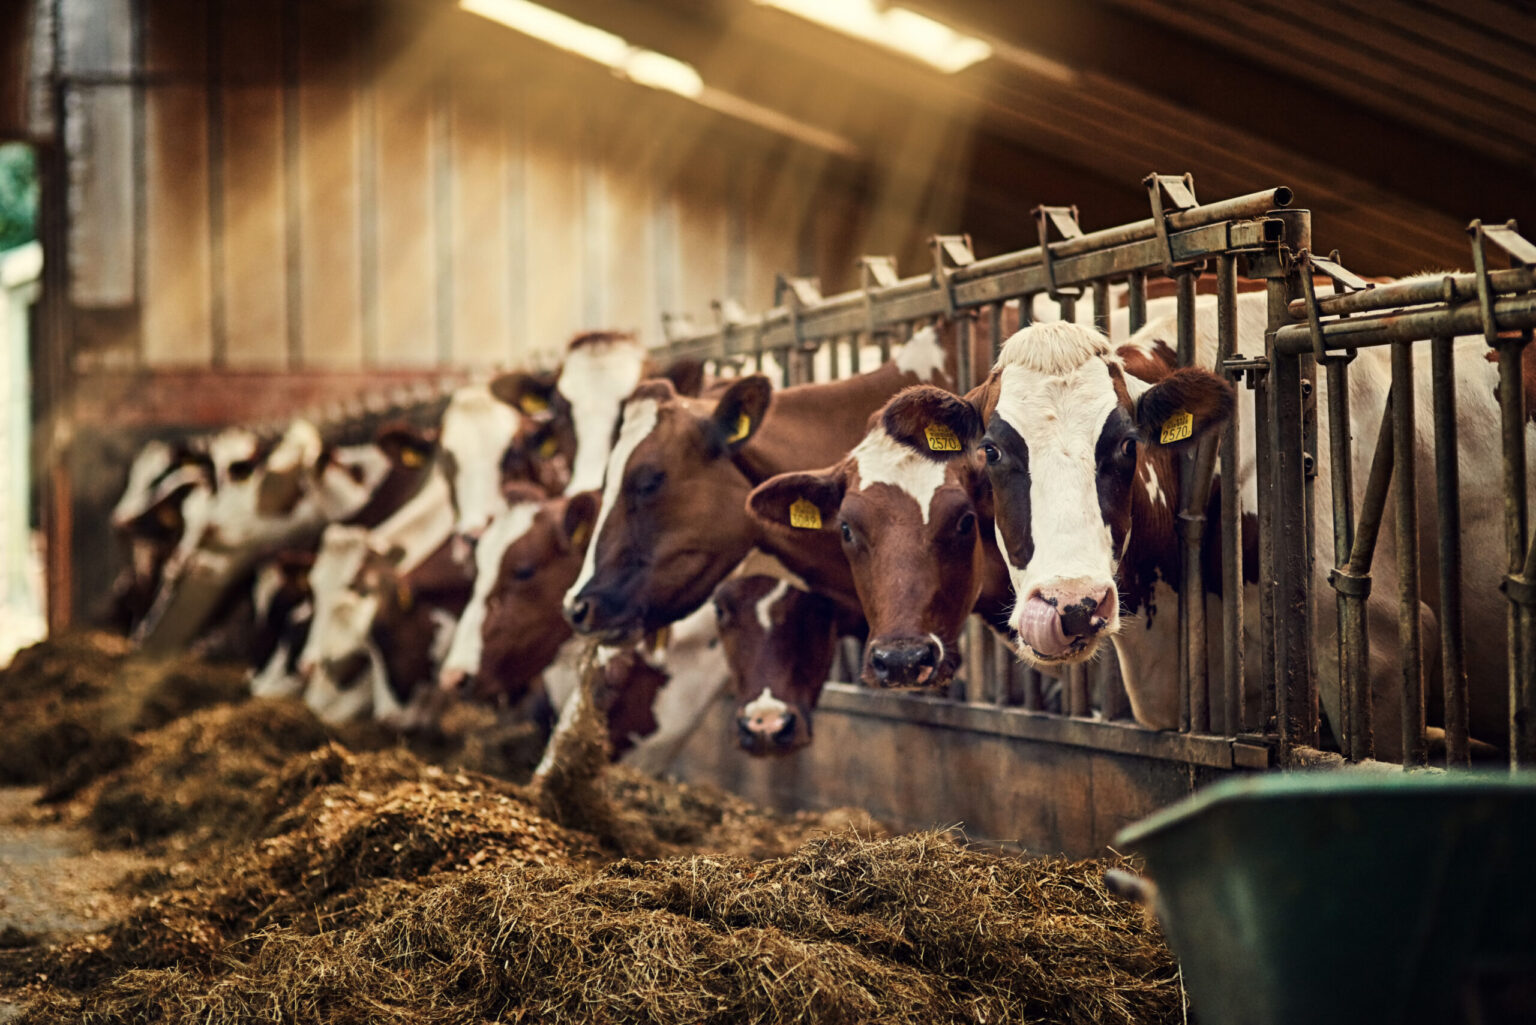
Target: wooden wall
<point>335,185</point>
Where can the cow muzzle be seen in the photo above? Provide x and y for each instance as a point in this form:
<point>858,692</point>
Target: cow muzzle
<point>1064,623</point>
<point>768,726</point>
<point>603,614</point>
<point>907,662</point>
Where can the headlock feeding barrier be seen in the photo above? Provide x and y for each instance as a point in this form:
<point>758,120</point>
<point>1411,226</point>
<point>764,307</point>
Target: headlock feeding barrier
<point>1260,702</point>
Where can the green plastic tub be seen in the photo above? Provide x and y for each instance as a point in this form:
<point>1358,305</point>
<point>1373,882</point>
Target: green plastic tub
<point>1342,897</point>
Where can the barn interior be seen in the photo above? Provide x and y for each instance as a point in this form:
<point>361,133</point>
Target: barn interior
<point>251,211</point>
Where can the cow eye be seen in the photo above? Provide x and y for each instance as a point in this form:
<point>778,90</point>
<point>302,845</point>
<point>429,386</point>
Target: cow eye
<point>647,482</point>
<point>242,469</point>
<point>524,572</point>
<point>990,451</point>
<point>847,533</point>
<point>1127,448</point>
<point>966,523</point>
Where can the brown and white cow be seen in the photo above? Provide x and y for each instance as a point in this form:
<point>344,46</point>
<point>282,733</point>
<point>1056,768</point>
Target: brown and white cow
<point>673,523</point>
<point>780,641</point>
<point>1078,433</point>
<point>916,533</point>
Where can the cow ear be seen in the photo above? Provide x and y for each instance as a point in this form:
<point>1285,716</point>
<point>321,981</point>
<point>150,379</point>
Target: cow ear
<point>932,421</point>
<point>395,555</point>
<point>528,392</point>
<point>686,375</point>
<point>579,519</point>
<point>1183,407</point>
<point>405,445</point>
<point>740,411</point>
<point>805,501</point>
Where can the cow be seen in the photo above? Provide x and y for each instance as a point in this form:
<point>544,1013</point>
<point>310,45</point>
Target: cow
<point>1079,435</point>
<point>284,608</point>
<point>917,535</point>
<point>673,523</point>
<point>478,425</point>
<point>780,641</point>
<point>150,520</point>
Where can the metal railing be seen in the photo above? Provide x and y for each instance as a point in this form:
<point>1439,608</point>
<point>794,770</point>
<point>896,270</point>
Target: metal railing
<point>1254,714</point>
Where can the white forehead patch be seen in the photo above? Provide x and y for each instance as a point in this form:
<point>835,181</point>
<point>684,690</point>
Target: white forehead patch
<point>922,356</point>
<point>764,609</point>
<point>505,531</point>
<point>765,706</point>
<point>477,427</point>
<point>300,446</point>
<point>595,380</point>
<point>153,460</point>
<point>640,419</point>
<point>883,460</point>
<point>1054,349</point>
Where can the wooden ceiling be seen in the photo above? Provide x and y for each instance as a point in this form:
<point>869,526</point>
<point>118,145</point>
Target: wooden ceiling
<point>1396,122</point>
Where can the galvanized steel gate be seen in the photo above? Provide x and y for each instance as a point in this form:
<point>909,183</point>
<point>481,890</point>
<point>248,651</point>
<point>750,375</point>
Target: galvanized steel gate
<point>1258,239</point>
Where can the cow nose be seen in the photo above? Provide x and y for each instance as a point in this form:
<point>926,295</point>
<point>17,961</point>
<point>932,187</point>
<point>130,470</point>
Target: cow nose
<point>593,611</point>
<point>578,612</point>
<point>908,663</point>
<point>1058,621</point>
<point>765,732</point>
<point>452,680</point>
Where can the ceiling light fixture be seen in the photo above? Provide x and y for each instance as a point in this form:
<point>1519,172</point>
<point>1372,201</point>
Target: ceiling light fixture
<point>648,68</point>
<point>895,28</point>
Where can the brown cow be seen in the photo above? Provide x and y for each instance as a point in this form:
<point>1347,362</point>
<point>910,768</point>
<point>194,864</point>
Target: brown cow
<point>673,522</point>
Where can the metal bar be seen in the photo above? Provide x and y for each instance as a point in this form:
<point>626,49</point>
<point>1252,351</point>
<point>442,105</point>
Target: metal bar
<point>1077,691</point>
<point>1101,305</point>
<point>1415,751</point>
<point>1353,584</point>
<point>1231,510</point>
<point>1264,482</point>
<point>1448,498</point>
<point>996,323</point>
<point>920,297</point>
<point>1136,284</point>
<point>1190,586</point>
<point>1462,288</point>
<point>1067,304</point>
<point>1522,703</point>
<point>1296,684</point>
<point>963,328</point>
<point>1510,313</point>
<point>1033,689</point>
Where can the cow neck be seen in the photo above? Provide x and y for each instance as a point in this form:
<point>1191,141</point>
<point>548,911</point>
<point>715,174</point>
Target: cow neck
<point>399,486</point>
<point>1152,550</point>
<point>814,425</point>
<point>421,525</point>
<point>816,559</point>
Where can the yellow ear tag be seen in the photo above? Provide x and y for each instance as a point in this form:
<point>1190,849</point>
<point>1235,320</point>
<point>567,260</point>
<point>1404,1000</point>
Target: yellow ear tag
<point>743,425</point>
<point>1178,427</point>
<point>410,457</point>
<point>941,438</point>
<point>167,516</point>
<point>549,448</point>
<point>533,404</point>
<point>579,536</point>
<point>804,514</point>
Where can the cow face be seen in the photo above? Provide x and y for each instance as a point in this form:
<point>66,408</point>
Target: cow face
<point>779,644</point>
<point>512,627</point>
<point>1068,432</point>
<point>541,453</point>
<point>672,521</point>
<point>477,427</point>
<point>338,641</point>
<point>344,479</point>
<point>910,530</point>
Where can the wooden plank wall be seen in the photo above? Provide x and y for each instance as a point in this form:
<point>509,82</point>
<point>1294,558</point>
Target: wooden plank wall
<point>340,185</point>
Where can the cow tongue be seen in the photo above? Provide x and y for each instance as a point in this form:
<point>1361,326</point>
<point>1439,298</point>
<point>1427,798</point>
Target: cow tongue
<point>1040,628</point>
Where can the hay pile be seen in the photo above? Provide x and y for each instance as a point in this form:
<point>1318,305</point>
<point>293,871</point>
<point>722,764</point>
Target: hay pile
<point>84,696</point>
<point>307,882</point>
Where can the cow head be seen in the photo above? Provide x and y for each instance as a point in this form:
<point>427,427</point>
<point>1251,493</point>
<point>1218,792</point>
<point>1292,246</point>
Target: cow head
<point>672,521</point>
<point>910,528</point>
<point>345,477</point>
<point>779,643</point>
<point>1068,432</point>
<point>338,642</point>
<point>541,453</point>
<point>512,626</point>
<point>477,426</point>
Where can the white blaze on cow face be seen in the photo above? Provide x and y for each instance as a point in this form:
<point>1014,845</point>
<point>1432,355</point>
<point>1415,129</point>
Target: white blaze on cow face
<point>882,460</point>
<point>595,379</point>
<point>1055,397</point>
<point>334,632</point>
<point>477,428</point>
<point>348,480</point>
<point>640,419</point>
<point>506,529</point>
<point>764,608</point>
<point>152,463</point>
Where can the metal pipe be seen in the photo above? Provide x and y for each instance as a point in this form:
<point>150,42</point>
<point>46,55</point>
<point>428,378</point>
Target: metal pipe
<point>1077,691</point>
<point>1511,313</point>
<point>1231,509</point>
<point>1101,305</point>
<point>1522,704</point>
<point>1448,499</point>
<point>1463,288</point>
<point>1189,586</point>
<point>996,315</point>
<point>1137,285</point>
<point>963,379</point>
<point>1415,751</point>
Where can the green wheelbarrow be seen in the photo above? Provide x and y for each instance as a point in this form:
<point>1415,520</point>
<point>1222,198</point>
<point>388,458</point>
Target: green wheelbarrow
<point>1342,897</point>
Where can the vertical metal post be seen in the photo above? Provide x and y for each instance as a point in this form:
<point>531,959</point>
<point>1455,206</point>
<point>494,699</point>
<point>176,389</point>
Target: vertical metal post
<point>1190,597</point>
<point>996,315</point>
<point>1448,498</point>
<point>1137,285</point>
<point>1295,681</point>
<point>1231,510</point>
<point>1101,305</point>
<point>1522,702</point>
<point>1415,751</point>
